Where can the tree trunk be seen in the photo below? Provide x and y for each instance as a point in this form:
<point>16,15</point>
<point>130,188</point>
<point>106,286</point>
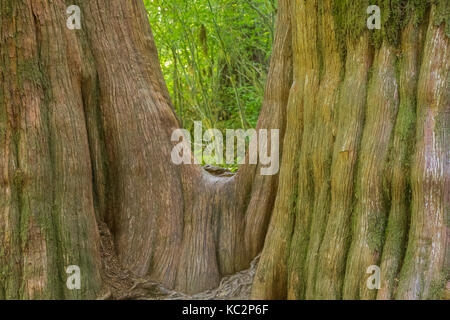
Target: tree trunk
<point>365,174</point>
<point>85,138</point>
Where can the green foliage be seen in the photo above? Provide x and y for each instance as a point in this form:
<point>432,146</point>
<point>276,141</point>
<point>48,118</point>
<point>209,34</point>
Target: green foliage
<point>214,55</point>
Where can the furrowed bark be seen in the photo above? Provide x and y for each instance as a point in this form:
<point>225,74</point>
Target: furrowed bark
<point>85,145</point>
<point>372,185</point>
<point>401,157</point>
<point>306,15</point>
<point>46,231</point>
<point>323,139</point>
<point>424,272</point>
<point>91,140</point>
<point>351,107</point>
<point>271,277</point>
<point>365,221</point>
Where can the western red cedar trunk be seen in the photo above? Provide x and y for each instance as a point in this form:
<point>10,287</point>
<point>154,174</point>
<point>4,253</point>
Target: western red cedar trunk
<point>364,179</point>
<point>86,123</point>
<point>85,128</point>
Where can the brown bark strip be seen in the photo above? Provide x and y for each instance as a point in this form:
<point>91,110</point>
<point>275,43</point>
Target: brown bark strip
<point>178,224</point>
<point>271,277</point>
<point>401,157</point>
<point>369,216</point>
<point>54,225</point>
<point>351,107</point>
<point>306,19</point>
<point>323,139</point>
<point>423,274</point>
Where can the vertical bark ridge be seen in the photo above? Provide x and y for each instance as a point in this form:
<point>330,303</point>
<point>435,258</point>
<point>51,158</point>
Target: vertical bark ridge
<point>159,227</point>
<point>52,229</point>
<point>307,19</point>
<point>271,277</point>
<point>401,157</point>
<point>73,208</point>
<point>10,236</point>
<point>351,108</point>
<point>323,139</point>
<point>272,116</point>
<point>372,187</point>
<point>424,273</point>
<point>147,195</point>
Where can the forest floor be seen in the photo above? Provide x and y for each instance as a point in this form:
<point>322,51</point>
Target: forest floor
<point>234,287</point>
<point>121,284</point>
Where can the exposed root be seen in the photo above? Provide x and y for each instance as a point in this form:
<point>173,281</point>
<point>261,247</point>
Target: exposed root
<point>121,284</point>
<point>234,287</point>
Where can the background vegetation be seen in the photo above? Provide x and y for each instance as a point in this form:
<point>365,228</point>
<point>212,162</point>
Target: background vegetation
<point>215,56</point>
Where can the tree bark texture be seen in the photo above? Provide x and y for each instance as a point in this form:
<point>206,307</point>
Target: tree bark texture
<point>365,174</point>
<point>85,142</point>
